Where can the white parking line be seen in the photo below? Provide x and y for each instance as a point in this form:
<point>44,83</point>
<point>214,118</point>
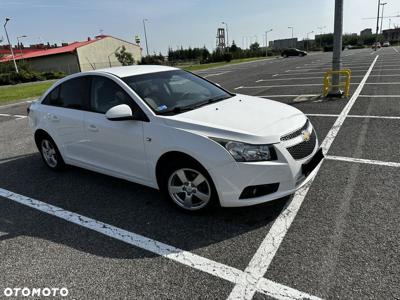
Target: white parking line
<point>356,116</point>
<point>216,74</point>
<point>364,161</point>
<point>321,77</point>
<point>260,262</point>
<point>278,86</point>
<point>13,116</point>
<point>352,69</point>
<point>277,96</point>
<point>308,84</point>
<point>379,96</point>
<point>395,50</point>
<point>186,258</point>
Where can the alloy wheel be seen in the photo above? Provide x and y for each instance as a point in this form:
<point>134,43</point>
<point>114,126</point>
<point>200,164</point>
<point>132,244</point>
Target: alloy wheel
<point>189,189</point>
<point>49,153</point>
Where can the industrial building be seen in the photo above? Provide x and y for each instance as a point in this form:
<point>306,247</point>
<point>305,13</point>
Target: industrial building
<point>70,58</point>
<point>283,44</point>
<point>366,32</point>
<point>392,35</point>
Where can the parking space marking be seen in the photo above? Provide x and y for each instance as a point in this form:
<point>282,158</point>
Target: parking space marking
<point>364,161</point>
<point>13,116</point>
<point>395,50</point>
<point>186,258</point>
<point>260,262</point>
<point>278,86</point>
<point>216,74</point>
<point>356,116</point>
<point>379,96</point>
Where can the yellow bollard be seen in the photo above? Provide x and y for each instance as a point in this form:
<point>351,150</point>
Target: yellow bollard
<point>327,84</point>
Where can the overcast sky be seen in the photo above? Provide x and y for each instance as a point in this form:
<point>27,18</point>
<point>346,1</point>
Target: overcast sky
<point>186,22</point>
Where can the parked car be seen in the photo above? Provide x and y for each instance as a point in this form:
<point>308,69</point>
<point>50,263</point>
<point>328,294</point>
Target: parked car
<point>386,44</point>
<point>177,132</point>
<point>376,45</point>
<point>293,52</point>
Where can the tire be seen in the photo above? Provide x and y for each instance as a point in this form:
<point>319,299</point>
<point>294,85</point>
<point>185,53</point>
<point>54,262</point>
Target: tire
<point>189,187</point>
<point>50,153</point>
<point>301,54</point>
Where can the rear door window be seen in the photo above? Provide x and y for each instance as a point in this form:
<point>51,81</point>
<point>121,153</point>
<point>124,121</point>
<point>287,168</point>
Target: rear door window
<point>106,94</point>
<point>74,93</point>
<point>53,98</point>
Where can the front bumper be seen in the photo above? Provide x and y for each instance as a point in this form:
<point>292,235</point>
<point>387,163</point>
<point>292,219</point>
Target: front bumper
<point>231,179</point>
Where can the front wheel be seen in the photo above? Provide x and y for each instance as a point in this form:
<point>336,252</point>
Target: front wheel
<point>50,153</point>
<point>189,187</point>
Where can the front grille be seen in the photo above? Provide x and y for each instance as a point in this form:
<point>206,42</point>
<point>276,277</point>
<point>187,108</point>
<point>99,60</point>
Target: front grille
<point>295,133</point>
<point>303,149</point>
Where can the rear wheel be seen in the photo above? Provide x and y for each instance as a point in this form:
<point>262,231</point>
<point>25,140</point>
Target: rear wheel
<point>189,187</point>
<point>50,153</point>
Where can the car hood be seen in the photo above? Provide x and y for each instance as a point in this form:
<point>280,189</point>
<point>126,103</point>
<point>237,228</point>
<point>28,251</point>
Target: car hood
<point>245,118</point>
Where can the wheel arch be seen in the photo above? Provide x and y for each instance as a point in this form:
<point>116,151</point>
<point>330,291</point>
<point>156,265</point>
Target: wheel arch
<point>171,156</point>
<point>40,133</point>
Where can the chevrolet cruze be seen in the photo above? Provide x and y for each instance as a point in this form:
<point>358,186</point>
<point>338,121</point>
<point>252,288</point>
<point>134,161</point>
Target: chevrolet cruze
<point>169,129</point>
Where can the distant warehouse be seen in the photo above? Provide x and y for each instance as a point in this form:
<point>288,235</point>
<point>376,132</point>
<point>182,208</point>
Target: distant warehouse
<point>92,54</point>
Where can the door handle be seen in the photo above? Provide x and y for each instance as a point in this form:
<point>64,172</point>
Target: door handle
<point>93,128</point>
<point>54,118</point>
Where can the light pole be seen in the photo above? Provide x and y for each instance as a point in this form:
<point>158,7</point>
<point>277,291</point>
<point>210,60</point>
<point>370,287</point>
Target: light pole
<point>337,49</point>
<point>307,38</point>
<point>8,39</point>
<point>320,36</point>
<point>145,36</point>
<point>19,45</point>
<point>109,60</point>
<point>377,25</point>
<point>227,38</point>
<point>383,7</point>
<point>291,27</point>
<point>266,42</point>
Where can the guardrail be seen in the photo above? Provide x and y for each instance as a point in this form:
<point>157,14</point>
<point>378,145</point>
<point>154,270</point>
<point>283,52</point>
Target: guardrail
<point>328,81</point>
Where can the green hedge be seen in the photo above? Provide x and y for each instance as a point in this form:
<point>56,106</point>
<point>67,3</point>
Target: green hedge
<point>28,76</point>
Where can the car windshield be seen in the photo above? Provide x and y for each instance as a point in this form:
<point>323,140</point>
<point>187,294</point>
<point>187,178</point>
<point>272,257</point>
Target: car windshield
<point>173,92</point>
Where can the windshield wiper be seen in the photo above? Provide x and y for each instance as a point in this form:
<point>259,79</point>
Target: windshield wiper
<point>209,101</point>
<point>180,109</point>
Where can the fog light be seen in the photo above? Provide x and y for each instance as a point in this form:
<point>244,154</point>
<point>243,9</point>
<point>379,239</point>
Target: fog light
<point>259,190</point>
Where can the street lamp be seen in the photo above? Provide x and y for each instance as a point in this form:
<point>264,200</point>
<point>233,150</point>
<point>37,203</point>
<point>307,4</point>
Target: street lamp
<point>307,38</point>
<point>266,42</point>
<point>320,36</point>
<point>8,39</point>
<point>145,35</point>
<point>19,45</point>
<point>291,27</point>
<point>109,60</point>
<point>227,39</point>
<point>383,7</point>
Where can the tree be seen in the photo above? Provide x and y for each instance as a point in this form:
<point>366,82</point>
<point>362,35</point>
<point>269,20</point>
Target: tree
<point>255,46</point>
<point>233,47</point>
<point>124,57</point>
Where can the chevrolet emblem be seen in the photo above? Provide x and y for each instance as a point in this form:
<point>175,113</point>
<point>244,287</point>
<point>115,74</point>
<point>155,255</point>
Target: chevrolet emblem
<point>305,135</point>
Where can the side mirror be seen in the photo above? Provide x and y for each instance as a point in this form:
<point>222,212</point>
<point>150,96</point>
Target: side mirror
<point>119,113</point>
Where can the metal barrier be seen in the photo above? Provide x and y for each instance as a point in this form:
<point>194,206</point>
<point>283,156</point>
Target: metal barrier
<point>328,82</point>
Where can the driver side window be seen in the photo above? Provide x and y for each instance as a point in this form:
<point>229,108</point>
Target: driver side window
<point>106,94</point>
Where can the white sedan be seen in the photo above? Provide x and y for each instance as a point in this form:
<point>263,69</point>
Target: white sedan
<point>177,132</point>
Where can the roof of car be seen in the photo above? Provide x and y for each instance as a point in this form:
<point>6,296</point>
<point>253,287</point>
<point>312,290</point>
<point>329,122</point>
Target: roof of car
<point>126,71</point>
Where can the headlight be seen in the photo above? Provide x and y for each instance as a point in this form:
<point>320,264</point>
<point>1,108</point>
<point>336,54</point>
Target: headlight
<point>247,152</point>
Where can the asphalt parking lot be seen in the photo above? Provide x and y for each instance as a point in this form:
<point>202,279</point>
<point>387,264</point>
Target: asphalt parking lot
<point>337,238</point>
